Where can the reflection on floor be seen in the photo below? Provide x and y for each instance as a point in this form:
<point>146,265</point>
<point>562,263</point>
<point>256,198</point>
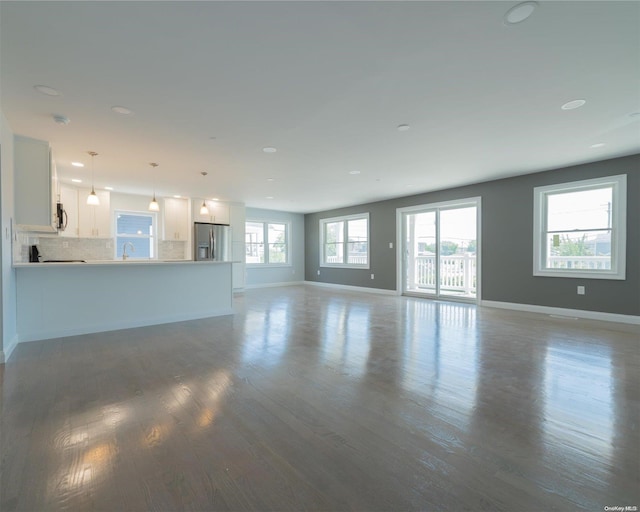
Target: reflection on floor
<point>316,399</point>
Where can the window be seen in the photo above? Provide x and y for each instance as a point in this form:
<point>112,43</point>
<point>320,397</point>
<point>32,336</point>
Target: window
<point>344,241</point>
<point>267,243</point>
<point>136,231</point>
<point>580,229</point>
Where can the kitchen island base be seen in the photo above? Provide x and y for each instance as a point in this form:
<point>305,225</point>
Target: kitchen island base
<point>55,300</point>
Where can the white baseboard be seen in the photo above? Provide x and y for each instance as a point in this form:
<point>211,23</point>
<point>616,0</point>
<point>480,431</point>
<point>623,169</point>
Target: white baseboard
<point>5,354</point>
<point>274,285</point>
<point>574,313</point>
<point>364,289</point>
<point>61,333</point>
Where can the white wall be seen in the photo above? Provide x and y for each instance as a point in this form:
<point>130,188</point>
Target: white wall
<point>9,337</point>
<point>266,276</point>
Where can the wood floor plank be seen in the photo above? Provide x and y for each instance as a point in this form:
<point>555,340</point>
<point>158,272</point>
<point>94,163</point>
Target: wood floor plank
<point>326,400</point>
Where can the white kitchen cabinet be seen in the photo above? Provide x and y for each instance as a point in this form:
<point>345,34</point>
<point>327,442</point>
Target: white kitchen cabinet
<point>237,219</point>
<point>94,221</point>
<point>34,207</point>
<point>218,212</point>
<point>237,275</point>
<point>238,267</point>
<point>176,219</point>
<point>69,199</point>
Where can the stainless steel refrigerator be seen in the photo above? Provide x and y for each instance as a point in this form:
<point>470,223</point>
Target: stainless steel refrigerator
<point>212,242</point>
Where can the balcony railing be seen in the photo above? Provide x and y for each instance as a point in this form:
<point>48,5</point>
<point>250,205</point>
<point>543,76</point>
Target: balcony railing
<point>457,273</point>
<point>580,262</point>
<point>354,259</point>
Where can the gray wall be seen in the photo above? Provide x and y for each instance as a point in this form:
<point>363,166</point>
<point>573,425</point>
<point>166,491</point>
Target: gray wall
<point>265,276</point>
<point>507,215</point>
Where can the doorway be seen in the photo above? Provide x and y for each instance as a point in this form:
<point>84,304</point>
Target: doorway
<point>439,246</point>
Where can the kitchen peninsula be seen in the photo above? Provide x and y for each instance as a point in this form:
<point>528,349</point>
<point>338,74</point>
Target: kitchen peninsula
<point>65,299</point>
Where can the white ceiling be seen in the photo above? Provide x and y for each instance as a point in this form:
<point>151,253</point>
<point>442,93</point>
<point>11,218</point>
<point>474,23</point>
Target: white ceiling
<point>326,83</point>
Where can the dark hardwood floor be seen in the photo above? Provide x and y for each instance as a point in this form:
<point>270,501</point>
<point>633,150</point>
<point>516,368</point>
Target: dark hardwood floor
<point>315,399</point>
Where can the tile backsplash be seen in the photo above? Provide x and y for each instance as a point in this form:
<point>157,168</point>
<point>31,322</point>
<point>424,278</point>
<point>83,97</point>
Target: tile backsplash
<point>88,249</point>
<point>172,250</point>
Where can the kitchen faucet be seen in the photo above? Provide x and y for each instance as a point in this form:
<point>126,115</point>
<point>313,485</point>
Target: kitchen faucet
<point>124,250</point>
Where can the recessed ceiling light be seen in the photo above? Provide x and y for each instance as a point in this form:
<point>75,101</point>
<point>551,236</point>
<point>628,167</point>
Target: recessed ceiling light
<point>269,150</point>
<point>597,145</point>
<point>177,197</point>
<point>403,127</point>
<point>108,188</point>
<point>269,197</point>
<point>77,164</point>
<point>519,13</point>
<point>270,179</point>
<point>119,109</point>
<point>215,199</point>
<point>46,90</point>
<point>570,105</point>
<point>354,172</point>
<point>76,180</point>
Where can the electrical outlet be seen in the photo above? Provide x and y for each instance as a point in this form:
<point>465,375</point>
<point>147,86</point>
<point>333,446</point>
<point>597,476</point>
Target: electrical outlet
<point>581,290</point>
<point>65,245</point>
<point>372,276</point>
<point>390,245</point>
<point>318,272</point>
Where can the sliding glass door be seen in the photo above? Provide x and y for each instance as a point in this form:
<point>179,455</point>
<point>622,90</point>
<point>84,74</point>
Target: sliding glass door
<point>440,248</point>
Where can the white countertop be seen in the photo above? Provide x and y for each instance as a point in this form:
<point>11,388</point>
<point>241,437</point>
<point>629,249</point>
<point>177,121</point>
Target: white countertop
<point>102,263</point>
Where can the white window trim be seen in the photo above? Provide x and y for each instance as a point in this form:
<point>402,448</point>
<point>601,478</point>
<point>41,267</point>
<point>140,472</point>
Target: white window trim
<point>618,232</point>
<point>443,205</point>
<point>342,219</point>
<point>154,215</point>
<point>264,222</point>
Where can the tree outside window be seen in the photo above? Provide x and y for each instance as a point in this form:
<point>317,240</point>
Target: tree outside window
<point>267,243</point>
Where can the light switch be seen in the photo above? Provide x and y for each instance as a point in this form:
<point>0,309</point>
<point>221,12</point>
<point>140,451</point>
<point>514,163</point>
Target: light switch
<point>390,245</point>
<point>581,290</point>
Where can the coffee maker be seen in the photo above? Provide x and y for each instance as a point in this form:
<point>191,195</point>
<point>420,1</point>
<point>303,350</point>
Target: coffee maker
<point>34,254</point>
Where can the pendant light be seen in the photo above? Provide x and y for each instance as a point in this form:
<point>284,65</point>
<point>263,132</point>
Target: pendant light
<point>203,209</point>
<point>92,199</point>
<point>153,205</point>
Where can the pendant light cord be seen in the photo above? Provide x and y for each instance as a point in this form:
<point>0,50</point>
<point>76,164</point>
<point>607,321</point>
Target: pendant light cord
<point>92,153</point>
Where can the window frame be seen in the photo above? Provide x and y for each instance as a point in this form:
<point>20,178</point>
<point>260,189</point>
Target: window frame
<point>344,219</point>
<point>265,230</point>
<point>618,185</point>
<point>154,237</point>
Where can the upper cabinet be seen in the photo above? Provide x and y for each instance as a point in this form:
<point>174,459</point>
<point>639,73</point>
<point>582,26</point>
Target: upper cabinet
<point>237,221</point>
<point>94,221</point>
<point>176,219</point>
<point>218,212</point>
<point>33,185</point>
